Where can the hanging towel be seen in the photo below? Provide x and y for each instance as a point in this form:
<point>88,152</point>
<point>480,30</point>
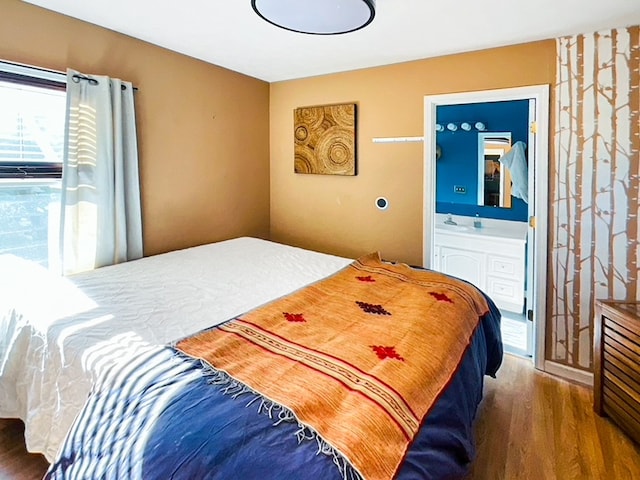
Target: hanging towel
<point>516,161</point>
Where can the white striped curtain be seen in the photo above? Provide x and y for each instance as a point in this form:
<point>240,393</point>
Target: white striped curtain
<point>101,220</point>
<point>594,185</point>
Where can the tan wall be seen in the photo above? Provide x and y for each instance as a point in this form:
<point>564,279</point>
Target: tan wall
<point>203,131</point>
<point>337,214</point>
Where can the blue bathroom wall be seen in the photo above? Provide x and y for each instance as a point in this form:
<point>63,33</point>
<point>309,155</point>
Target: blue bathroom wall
<point>458,164</point>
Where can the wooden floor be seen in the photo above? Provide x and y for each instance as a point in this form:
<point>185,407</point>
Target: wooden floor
<point>15,462</point>
<point>529,426</point>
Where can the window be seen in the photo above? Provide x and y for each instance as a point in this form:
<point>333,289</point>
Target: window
<point>32,116</point>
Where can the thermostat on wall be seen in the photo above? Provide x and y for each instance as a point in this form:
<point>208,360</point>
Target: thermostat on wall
<point>382,203</point>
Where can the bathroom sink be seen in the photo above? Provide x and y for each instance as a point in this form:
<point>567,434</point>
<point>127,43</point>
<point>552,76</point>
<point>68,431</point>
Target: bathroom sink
<point>453,228</point>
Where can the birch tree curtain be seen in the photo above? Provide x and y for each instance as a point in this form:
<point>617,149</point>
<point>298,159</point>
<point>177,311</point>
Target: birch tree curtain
<point>101,220</point>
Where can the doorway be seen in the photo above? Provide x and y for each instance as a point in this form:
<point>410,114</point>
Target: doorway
<point>532,317</point>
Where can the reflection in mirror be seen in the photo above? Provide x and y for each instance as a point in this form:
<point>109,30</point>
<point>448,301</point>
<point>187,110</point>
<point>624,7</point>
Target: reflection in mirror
<point>494,179</point>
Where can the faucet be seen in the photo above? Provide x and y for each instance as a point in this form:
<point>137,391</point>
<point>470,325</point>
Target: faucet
<point>449,220</point>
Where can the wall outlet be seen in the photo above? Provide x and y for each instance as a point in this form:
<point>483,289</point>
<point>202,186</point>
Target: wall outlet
<point>460,189</point>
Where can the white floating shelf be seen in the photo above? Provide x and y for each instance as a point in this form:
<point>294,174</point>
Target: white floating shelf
<point>398,139</point>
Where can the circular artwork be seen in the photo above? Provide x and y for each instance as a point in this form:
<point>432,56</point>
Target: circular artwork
<point>325,140</point>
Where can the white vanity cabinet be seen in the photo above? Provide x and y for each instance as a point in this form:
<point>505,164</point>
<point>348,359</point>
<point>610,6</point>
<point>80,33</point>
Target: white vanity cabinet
<point>493,263</point>
<point>466,264</point>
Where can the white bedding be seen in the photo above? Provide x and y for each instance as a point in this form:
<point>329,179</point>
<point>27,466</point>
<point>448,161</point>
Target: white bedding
<point>58,334</point>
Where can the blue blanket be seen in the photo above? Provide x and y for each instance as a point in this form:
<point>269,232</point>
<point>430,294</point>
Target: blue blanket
<point>166,416</point>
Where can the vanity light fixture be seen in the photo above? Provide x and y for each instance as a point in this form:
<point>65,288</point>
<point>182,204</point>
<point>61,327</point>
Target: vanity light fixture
<point>317,17</point>
<point>464,126</point>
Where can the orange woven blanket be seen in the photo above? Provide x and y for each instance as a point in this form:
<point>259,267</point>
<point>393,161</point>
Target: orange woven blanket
<point>360,357</point>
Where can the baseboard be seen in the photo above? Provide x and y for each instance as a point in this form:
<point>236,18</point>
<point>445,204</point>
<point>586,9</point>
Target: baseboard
<point>570,373</point>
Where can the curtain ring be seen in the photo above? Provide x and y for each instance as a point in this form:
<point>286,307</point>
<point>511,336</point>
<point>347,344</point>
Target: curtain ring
<point>76,78</point>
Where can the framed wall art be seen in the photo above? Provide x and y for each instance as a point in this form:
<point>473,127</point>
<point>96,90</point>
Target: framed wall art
<point>325,139</point>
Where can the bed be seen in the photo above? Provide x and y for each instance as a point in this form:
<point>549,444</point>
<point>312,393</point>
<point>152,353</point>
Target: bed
<point>92,364</point>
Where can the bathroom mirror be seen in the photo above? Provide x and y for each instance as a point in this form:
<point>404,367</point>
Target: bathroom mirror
<point>494,179</point>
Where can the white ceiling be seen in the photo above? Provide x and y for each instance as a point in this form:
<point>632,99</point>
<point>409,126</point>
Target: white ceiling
<point>228,33</point>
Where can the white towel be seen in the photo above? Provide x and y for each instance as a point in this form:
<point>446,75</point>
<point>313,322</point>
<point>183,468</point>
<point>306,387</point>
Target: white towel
<point>516,161</point>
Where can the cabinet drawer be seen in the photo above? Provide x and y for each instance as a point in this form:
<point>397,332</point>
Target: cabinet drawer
<point>508,294</point>
<point>502,265</point>
<point>505,266</point>
<point>504,287</point>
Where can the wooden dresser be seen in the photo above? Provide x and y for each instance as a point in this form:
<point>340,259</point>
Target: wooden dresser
<point>617,364</point>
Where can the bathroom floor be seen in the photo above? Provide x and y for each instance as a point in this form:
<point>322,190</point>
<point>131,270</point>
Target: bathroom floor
<point>514,333</point>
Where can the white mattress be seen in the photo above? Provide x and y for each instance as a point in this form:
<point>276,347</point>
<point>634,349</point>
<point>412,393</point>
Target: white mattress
<point>58,334</point>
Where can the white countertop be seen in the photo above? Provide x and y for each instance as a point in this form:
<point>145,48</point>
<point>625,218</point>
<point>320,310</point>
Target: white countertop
<point>502,229</point>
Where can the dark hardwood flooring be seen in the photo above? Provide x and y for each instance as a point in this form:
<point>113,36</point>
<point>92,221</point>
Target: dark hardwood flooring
<point>15,462</point>
<point>529,426</point>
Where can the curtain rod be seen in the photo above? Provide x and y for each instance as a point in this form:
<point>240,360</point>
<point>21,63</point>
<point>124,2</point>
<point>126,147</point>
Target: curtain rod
<point>49,70</point>
<point>93,81</point>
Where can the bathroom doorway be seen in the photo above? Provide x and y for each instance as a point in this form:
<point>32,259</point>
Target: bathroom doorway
<point>524,319</point>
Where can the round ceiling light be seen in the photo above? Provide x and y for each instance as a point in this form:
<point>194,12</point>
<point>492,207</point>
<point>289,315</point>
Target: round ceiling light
<point>317,17</point>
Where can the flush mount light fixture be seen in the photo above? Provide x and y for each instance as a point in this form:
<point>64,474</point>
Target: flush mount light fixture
<point>317,17</point>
